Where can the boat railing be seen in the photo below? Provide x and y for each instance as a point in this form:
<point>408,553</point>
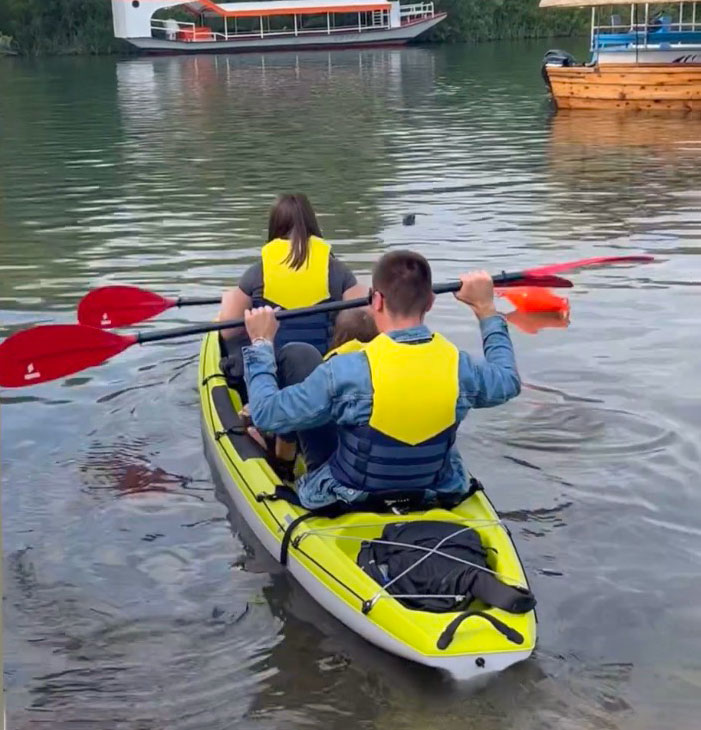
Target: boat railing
<point>608,36</point>
<point>169,27</point>
<point>641,30</point>
<point>417,11</point>
<point>178,30</point>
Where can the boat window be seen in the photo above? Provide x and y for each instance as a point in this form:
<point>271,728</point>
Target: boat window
<point>281,24</point>
<point>313,22</point>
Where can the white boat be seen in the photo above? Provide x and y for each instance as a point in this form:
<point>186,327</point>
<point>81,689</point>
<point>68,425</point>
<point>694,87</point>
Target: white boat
<point>269,25</point>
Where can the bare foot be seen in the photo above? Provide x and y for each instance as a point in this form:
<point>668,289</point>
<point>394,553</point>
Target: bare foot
<point>255,434</point>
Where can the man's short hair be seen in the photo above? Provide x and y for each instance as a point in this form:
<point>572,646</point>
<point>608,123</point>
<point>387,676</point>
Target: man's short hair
<point>404,280</point>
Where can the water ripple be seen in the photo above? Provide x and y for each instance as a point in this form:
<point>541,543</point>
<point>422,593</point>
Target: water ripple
<point>129,601</point>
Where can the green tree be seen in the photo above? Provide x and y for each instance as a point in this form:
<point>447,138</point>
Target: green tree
<point>480,20</point>
<point>59,26</point>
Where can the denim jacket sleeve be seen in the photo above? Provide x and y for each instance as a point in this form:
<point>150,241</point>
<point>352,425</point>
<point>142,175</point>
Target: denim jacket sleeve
<point>494,380</point>
<point>297,407</point>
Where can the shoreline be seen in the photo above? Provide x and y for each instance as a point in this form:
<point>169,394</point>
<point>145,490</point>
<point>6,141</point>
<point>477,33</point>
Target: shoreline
<point>129,50</point>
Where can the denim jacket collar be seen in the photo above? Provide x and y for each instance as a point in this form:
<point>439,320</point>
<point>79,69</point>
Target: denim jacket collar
<point>411,334</point>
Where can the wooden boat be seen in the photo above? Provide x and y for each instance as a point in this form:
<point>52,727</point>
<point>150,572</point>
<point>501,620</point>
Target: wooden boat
<point>647,62</point>
<point>268,25</point>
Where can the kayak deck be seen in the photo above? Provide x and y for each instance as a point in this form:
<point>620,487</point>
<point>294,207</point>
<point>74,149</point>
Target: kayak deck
<point>322,551</point>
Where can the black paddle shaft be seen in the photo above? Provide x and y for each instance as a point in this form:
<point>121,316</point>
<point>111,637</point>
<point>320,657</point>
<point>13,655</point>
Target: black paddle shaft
<point>198,329</point>
<point>503,278</point>
<point>196,301</point>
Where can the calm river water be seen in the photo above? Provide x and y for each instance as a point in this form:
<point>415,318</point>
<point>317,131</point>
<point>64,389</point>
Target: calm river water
<point>130,600</point>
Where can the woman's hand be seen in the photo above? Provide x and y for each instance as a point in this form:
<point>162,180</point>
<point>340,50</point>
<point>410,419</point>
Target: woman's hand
<point>261,323</point>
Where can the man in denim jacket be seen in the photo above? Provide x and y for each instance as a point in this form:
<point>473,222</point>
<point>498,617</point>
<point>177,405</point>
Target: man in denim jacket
<point>385,417</point>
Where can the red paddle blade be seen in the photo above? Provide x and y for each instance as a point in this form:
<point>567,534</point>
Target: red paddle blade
<point>51,351</point>
<point>529,279</point>
<point>582,263</point>
<point>120,306</point>
<point>534,299</point>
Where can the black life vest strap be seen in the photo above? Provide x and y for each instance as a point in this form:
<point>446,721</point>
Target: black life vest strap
<point>475,485</point>
<point>448,634</point>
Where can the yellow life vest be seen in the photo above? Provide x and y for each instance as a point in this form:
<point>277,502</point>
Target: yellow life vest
<point>407,441</point>
<point>290,288</point>
<point>346,348</point>
<point>415,387</point>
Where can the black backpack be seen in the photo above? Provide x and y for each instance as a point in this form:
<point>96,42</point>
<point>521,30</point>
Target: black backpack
<point>402,562</point>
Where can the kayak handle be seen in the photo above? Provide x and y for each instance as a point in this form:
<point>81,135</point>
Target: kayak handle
<point>448,634</point>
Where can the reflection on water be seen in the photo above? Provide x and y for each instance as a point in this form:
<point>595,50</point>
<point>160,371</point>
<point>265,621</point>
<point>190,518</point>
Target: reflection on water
<point>131,600</point>
<point>533,322</point>
<point>624,164</point>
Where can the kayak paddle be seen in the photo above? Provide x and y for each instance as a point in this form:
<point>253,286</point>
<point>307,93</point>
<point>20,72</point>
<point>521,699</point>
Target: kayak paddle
<point>540,299</point>
<point>589,263</point>
<point>534,299</point>
<point>43,353</point>
<point>121,305</point>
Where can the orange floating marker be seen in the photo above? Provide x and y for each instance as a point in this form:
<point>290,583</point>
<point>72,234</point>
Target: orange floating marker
<point>534,299</point>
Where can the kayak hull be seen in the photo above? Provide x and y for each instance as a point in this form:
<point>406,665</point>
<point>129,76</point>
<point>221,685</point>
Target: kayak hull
<point>322,558</point>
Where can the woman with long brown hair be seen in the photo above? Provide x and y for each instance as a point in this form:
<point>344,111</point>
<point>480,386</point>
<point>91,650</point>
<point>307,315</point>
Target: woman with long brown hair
<point>296,269</point>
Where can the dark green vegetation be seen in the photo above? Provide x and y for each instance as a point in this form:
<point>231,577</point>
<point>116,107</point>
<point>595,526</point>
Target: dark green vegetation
<point>85,26</point>
<point>481,20</point>
<point>58,26</point>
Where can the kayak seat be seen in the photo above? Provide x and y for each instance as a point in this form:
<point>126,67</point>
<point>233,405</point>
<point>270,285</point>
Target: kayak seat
<point>233,427</point>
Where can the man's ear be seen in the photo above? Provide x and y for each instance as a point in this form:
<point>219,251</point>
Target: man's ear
<point>430,302</point>
<point>377,303</point>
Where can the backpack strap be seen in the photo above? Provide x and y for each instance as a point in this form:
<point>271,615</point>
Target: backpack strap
<point>494,592</point>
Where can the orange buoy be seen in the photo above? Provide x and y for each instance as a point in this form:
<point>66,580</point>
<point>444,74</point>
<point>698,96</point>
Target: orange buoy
<point>534,299</point>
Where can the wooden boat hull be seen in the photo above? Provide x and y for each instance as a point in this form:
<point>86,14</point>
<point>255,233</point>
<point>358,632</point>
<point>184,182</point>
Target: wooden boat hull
<point>625,86</point>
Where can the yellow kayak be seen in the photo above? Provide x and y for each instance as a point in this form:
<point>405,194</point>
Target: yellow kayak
<point>321,552</point>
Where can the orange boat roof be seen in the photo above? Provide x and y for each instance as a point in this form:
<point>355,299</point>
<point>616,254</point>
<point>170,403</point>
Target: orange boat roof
<point>290,7</point>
